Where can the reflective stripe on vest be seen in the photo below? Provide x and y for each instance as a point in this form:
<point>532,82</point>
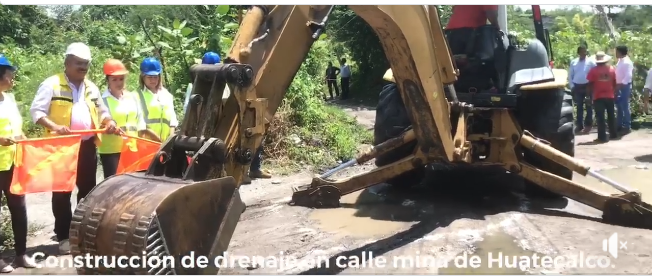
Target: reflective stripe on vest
<point>125,114</point>
<point>7,131</point>
<point>62,101</point>
<point>154,115</point>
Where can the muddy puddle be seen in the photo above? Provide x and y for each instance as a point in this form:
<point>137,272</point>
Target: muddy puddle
<point>489,252</point>
<point>370,213</point>
<point>633,177</point>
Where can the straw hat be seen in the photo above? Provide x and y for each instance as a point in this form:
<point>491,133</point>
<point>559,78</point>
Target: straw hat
<point>601,57</point>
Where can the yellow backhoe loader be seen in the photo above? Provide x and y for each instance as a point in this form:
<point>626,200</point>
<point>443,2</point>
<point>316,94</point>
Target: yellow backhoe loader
<point>494,104</point>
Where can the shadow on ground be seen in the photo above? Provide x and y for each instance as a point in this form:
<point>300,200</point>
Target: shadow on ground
<point>644,158</point>
<point>43,250</point>
<point>47,250</point>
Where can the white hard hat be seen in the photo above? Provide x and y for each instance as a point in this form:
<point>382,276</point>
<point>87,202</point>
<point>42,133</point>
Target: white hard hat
<point>79,50</point>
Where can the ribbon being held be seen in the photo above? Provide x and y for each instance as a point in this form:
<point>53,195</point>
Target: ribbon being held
<point>45,165</point>
<point>137,154</point>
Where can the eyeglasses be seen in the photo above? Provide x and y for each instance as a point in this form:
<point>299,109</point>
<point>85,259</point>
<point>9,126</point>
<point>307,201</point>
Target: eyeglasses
<point>81,63</point>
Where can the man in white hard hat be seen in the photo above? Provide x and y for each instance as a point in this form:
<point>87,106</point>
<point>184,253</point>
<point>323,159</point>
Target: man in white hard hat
<point>68,101</point>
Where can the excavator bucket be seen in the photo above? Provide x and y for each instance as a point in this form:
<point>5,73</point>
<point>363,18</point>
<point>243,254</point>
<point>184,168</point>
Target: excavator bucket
<point>156,220</point>
<point>628,210</point>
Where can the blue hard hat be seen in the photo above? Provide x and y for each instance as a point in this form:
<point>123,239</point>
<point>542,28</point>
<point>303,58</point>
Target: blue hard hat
<point>210,58</point>
<point>5,62</point>
<point>151,67</point>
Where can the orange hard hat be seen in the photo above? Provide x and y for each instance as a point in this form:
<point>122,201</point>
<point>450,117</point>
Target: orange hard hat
<point>114,67</point>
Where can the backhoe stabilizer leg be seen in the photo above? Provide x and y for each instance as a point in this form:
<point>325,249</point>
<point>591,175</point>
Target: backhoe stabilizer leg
<point>374,152</point>
<point>569,162</point>
<point>323,193</point>
<point>625,209</point>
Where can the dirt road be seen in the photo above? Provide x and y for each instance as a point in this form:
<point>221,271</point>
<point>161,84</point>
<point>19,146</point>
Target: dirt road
<point>432,228</point>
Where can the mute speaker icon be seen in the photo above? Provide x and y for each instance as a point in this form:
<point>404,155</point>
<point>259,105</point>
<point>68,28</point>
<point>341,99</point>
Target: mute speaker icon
<point>611,245</point>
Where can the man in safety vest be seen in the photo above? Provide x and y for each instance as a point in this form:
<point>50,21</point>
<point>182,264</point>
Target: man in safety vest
<point>157,103</point>
<point>124,108</point>
<point>69,102</point>
<point>255,170</point>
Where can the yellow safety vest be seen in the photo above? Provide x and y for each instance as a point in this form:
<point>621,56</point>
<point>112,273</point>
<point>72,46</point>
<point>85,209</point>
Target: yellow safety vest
<point>155,117</point>
<point>61,105</point>
<point>7,153</point>
<point>125,114</point>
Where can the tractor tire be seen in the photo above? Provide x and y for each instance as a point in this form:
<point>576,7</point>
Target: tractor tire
<point>392,120</point>
<point>548,115</point>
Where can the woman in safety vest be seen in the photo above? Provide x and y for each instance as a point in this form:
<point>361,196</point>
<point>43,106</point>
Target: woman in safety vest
<point>125,110</point>
<point>157,103</point>
<point>11,124</point>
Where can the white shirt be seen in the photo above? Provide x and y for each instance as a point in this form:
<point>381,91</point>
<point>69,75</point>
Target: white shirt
<point>81,116</point>
<point>9,109</point>
<point>345,71</point>
<point>126,105</point>
<point>624,71</point>
<point>164,97</point>
<point>648,80</point>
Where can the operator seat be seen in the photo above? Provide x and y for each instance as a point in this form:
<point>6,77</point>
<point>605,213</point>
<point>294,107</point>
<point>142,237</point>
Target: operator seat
<point>528,66</point>
<point>481,59</point>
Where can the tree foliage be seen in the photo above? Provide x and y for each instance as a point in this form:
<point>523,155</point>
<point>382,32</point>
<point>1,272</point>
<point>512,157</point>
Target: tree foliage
<point>35,38</point>
<point>572,28</point>
<point>568,28</point>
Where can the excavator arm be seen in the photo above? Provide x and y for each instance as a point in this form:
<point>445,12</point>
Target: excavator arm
<point>274,41</point>
<point>175,207</point>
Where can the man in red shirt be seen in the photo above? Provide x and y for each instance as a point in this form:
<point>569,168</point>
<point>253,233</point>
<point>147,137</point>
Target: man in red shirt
<point>602,85</point>
<point>472,16</point>
<point>464,20</point>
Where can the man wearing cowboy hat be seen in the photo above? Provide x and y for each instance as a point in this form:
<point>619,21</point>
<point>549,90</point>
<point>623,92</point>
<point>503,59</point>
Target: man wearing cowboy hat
<point>602,86</point>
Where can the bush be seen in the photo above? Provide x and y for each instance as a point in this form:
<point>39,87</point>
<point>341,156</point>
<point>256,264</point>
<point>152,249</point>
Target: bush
<point>6,234</point>
<point>305,130</point>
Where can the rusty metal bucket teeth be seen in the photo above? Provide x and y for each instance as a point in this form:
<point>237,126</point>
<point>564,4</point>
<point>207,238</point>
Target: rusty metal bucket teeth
<point>621,211</point>
<point>138,215</point>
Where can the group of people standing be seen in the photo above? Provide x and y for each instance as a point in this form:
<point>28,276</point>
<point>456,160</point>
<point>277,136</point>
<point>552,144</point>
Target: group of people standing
<point>331,79</point>
<point>68,102</point>
<point>607,90</point>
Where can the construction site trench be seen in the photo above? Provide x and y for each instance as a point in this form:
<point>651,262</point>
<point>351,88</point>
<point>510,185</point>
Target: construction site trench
<point>444,221</point>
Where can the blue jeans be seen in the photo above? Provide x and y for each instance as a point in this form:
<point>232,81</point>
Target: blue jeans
<point>623,112</point>
<point>579,97</point>
<point>257,160</point>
